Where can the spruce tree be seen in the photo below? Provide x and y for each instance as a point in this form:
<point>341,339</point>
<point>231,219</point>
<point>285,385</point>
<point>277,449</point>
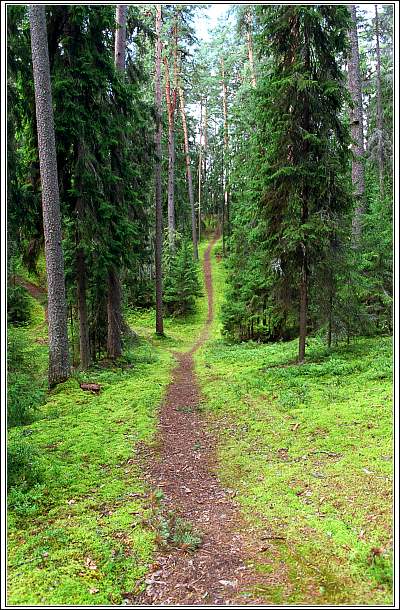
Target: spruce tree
<point>306,143</point>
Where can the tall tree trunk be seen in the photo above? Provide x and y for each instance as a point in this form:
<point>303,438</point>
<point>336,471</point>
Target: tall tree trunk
<point>59,363</point>
<point>188,173</point>
<point>114,315</point>
<point>114,305</point>
<point>120,36</point>
<point>357,131</point>
<point>379,119</point>
<point>171,106</point>
<point>249,40</point>
<point>205,149</point>
<point>226,144</point>
<point>84,343</point>
<point>303,310</point>
<point>158,134</point>
<point>200,161</point>
<point>330,319</point>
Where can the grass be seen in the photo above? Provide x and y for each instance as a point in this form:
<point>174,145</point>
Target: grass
<point>308,451</point>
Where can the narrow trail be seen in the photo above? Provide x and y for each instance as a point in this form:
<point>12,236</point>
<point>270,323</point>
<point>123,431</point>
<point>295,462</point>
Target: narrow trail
<point>38,293</point>
<point>184,468</point>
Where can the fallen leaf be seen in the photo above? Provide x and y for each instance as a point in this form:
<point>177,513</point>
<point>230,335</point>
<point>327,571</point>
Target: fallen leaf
<point>93,591</point>
<point>71,501</point>
<point>228,583</point>
<point>89,563</point>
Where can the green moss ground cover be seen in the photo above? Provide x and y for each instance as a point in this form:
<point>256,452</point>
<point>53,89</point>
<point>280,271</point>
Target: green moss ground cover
<point>308,451</point>
<point>83,531</point>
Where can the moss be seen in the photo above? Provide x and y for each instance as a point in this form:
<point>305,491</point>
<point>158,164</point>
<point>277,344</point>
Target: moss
<point>308,451</point>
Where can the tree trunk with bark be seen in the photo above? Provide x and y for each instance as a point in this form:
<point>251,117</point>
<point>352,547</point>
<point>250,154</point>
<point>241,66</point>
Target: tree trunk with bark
<point>59,362</point>
<point>158,194</point>
<point>379,117</point>
<point>114,304</point>
<point>200,163</point>
<point>249,40</point>
<point>303,310</point>
<point>114,315</point>
<point>120,37</point>
<point>188,172</point>
<point>84,343</point>
<point>171,106</point>
<point>356,121</point>
<point>226,144</point>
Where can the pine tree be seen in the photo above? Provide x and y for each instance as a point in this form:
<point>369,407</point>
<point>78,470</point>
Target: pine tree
<point>356,121</point>
<point>59,365</point>
<point>158,185</point>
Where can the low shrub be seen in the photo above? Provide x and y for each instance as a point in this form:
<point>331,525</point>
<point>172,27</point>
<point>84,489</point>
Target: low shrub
<point>18,305</point>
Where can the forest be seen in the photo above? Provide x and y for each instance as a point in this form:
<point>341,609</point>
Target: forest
<point>199,282</point>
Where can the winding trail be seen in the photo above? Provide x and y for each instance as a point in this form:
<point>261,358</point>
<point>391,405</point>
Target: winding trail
<point>184,468</point>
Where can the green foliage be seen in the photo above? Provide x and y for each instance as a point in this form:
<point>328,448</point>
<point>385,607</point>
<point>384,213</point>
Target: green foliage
<point>23,469</point>
<point>25,387</point>
<point>18,305</point>
<point>181,283</point>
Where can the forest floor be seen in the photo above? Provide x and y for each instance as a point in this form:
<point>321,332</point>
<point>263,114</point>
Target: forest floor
<point>256,481</point>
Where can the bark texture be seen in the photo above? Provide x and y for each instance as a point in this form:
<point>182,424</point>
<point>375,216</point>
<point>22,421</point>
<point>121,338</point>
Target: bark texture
<point>249,41</point>
<point>379,117</point>
<point>356,121</point>
<point>120,36</point>
<point>171,98</point>
<point>59,363</point>
<point>114,315</point>
<point>114,312</point>
<point>303,311</point>
<point>199,172</point>
<point>188,172</point>
<point>226,144</point>
<point>158,194</point>
<point>84,343</point>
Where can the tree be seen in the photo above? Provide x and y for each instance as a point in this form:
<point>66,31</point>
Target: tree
<point>297,195</point>
<point>379,118</point>
<point>171,94</point>
<point>356,122</point>
<point>188,171</point>
<point>114,311</point>
<point>59,364</point>
<point>158,193</point>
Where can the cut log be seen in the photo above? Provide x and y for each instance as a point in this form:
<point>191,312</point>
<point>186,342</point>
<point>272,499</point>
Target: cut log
<point>91,387</point>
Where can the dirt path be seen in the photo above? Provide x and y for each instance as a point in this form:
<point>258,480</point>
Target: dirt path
<point>38,293</point>
<point>216,572</point>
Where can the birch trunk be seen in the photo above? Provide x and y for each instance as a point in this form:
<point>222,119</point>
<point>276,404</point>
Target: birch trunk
<point>158,194</point>
<point>59,362</point>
